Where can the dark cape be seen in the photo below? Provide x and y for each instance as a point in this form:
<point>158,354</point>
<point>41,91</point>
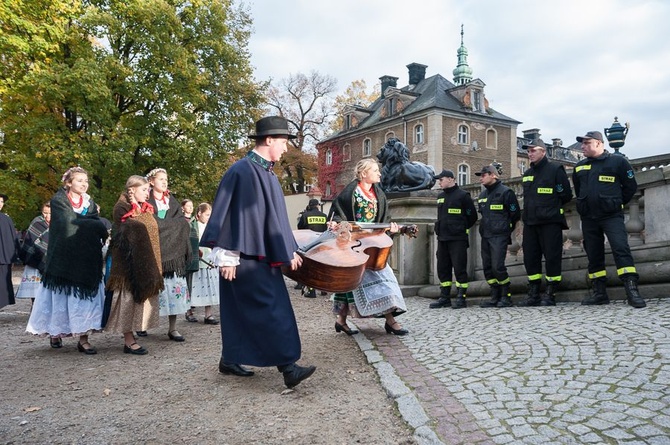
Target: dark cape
<point>174,238</point>
<point>74,256</point>
<point>258,326</point>
<point>7,254</point>
<point>136,256</point>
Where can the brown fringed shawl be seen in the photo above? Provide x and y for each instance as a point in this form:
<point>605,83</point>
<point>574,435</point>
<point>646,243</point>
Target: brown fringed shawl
<point>136,254</point>
<point>74,256</point>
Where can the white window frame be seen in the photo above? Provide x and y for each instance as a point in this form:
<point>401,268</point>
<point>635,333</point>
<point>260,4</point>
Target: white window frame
<point>463,133</point>
<point>418,134</point>
<point>367,147</point>
<point>329,157</point>
<point>463,173</point>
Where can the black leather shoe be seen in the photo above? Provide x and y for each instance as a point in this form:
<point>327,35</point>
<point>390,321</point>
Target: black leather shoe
<point>297,374</point>
<point>88,351</point>
<point>390,330</point>
<point>175,337</point>
<point>139,351</point>
<point>211,320</point>
<point>344,328</point>
<point>234,369</point>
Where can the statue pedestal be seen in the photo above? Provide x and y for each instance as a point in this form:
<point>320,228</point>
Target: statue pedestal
<point>411,257</point>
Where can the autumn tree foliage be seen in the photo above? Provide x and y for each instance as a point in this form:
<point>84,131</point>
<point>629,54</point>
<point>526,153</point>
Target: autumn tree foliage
<point>120,87</point>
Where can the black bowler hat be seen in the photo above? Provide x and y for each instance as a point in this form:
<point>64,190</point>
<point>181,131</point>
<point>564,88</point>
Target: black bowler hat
<point>271,126</point>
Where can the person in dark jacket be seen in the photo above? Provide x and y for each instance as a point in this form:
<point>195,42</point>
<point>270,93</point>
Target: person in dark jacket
<point>604,183</point>
<point>456,214</point>
<point>546,189</point>
<point>312,219</point>
<point>500,213</point>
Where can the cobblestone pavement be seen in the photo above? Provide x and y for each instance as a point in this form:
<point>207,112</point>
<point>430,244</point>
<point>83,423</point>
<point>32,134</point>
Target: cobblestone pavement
<point>568,374</point>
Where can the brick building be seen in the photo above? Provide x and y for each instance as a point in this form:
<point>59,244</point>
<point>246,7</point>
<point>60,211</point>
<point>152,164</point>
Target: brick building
<point>444,124</point>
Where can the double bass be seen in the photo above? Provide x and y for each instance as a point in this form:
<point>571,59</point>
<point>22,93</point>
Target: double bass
<point>335,260</point>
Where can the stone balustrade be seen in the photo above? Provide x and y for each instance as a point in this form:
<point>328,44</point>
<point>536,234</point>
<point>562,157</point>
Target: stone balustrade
<point>647,219</point>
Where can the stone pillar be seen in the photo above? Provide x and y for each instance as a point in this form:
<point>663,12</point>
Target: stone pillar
<point>635,225</point>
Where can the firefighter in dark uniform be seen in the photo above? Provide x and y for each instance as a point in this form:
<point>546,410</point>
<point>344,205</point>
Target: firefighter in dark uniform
<point>500,213</point>
<point>313,219</point>
<point>456,213</point>
<point>604,183</point>
<point>546,189</point>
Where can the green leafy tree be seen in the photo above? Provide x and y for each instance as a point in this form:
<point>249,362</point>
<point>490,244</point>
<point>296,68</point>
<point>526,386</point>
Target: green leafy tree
<point>306,102</point>
<point>120,87</point>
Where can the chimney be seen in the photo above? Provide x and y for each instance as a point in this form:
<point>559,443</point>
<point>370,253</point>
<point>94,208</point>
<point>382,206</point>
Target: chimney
<point>533,133</point>
<point>417,73</point>
<point>557,142</point>
<point>388,81</point>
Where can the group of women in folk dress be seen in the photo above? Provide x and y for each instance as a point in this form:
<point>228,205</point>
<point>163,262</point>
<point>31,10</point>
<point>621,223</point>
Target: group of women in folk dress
<point>147,260</point>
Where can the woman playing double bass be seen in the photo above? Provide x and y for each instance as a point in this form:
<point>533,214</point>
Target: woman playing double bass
<point>378,295</point>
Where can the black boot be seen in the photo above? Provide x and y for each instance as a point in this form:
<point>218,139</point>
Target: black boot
<point>505,296</point>
<point>495,297</point>
<point>632,294</point>
<point>459,300</point>
<point>533,296</point>
<point>444,300</point>
<point>599,293</point>
<point>548,298</point>
<point>294,374</point>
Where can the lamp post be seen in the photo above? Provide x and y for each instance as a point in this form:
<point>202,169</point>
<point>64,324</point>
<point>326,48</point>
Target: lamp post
<point>616,135</point>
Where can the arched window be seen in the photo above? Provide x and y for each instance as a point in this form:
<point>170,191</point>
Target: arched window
<point>463,134</point>
<point>367,148</point>
<point>329,157</point>
<point>491,138</point>
<point>346,153</point>
<point>463,174</point>
<point>418,134</point>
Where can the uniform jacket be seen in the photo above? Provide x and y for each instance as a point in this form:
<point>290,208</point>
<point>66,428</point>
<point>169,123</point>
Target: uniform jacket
<point>500,211</point>
<point>313,219</point>
<point>546,189</point>
<point>456,213</point>
<point>603,185</point>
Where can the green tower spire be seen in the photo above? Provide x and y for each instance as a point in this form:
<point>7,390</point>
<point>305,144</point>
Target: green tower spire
<point>462,72</point>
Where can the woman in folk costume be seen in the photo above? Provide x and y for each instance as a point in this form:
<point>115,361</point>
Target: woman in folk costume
<point>33,253</point>
<point>379,295</point>
<point>70,301</point>
<point>175,250</point>
<point>205,287</point>
<point>136,277</point>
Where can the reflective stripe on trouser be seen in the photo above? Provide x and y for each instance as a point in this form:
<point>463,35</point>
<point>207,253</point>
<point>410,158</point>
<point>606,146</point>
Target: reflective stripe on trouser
<point>543,240</point>
<point>494,251</point>
<point>594,232</point>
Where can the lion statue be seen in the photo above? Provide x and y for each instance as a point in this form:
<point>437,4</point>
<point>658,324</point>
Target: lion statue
<point>398,173</point>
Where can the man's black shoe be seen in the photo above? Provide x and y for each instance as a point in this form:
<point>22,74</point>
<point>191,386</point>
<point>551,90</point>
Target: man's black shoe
<point>234,369</point>
<point>297,374</point>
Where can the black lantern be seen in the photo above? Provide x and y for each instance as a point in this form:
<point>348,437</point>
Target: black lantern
<point>616,135</point>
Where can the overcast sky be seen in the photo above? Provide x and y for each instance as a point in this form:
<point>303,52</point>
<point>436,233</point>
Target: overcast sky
<point>564,67</point>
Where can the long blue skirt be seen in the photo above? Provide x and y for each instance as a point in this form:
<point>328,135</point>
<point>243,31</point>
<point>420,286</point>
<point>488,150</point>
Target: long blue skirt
<point>258,326</point>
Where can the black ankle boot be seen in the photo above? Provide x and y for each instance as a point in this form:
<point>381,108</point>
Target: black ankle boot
<point>459,301</point>
<point>548,298</point>
<point>533,296</point>
<point>495,297</point>
<point>444,300</point>
<point>505,296</point>
<point>632,294</point>
<point>599,293</point>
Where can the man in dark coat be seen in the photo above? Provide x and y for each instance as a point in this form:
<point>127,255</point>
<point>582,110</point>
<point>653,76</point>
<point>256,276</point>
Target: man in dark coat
<point>312,219</point>
<point>546,189</point>
<point>456,214</point>
<point>7,254</point>
<point>250,237</point>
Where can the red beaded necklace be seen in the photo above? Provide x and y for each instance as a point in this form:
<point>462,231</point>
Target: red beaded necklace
<point>74,204</point>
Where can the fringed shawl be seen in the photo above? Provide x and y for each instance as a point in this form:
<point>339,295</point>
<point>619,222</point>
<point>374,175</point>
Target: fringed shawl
<point>174,239</point>
<point>33,251</point>
<point>74,256</point>
<point>136,255</point>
